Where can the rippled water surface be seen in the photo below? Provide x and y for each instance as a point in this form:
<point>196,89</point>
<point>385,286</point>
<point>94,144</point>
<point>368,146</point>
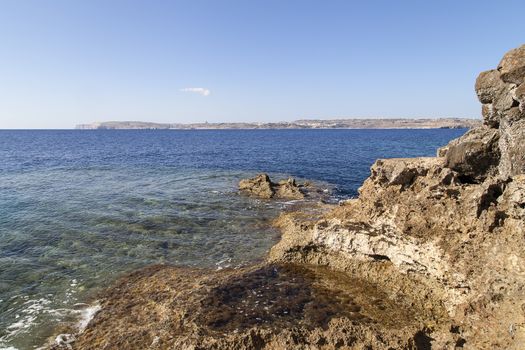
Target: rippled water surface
<point>79,208</point>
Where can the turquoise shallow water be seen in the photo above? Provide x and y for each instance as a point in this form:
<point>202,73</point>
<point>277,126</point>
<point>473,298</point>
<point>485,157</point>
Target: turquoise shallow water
<point>79,229</point>
<point>79,208</point>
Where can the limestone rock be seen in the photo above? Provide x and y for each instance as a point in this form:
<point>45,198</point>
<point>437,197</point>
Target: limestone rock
<point>512,144</point>
<point>514,196</point>
<point>399,171</point>
<point>261,186</point>
<point>502,93</point>
<point>458,220</point>
<point>474,155</point>
<point>512,66</point>
<point>520,96</point>
<point>270,306</point>
<point>289,189</point>
<point>488,85</point>
<point>491,89</point>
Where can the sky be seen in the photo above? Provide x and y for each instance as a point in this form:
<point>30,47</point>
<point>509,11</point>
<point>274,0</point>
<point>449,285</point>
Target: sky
<point>65,62</point>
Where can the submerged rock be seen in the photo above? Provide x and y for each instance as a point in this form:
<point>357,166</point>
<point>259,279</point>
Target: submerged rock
<point>268,306</point>
<point>261,186</point>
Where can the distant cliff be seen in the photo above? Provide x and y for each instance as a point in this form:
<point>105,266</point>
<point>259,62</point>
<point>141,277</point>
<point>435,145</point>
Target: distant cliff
<point>357,123</point>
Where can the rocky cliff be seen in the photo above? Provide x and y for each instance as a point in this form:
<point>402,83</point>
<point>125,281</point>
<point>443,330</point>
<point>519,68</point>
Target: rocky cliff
<point>452,227</point>
<point>431,255</point>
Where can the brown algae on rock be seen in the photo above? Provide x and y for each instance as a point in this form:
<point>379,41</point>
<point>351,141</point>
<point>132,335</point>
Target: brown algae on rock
<point>279,296</point>
<point>174,307</point>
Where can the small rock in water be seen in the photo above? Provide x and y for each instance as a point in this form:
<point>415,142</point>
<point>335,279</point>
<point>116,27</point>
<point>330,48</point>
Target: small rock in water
<point>261,186</point>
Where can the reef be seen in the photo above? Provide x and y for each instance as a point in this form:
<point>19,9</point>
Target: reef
<point>431,255</point>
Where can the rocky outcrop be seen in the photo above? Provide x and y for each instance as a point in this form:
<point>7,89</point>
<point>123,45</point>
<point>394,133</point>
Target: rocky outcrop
<point>475,156</point>
<point>501,92</point>
<point>261,186</point>
<point>431,255</point>
<point>289,189</point>
<point>512,66</point>
<point>451,227</point>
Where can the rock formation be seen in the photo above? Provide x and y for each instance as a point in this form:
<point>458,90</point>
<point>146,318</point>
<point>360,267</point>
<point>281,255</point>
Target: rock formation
<point>451,227</point>
<point>502,94</point>
<point>261,186</point>
<point>431,255</point>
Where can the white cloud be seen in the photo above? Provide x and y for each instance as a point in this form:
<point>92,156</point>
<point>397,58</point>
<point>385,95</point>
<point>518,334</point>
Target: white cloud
<point>197,90</point>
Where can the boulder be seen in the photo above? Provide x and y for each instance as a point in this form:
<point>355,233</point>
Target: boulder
<point>501,91</point>
<point>512,66</point>
<point>475,155</point>
<point>488,85</point>
<point>399,171</point>
<point>261,186</point>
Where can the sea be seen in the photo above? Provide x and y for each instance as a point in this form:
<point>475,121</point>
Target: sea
<point>79,208</point>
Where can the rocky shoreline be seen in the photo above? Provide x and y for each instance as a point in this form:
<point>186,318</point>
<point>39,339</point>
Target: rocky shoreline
<point>431,255</point>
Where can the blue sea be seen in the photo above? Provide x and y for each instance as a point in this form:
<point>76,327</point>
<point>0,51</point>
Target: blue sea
<point>80,208</point>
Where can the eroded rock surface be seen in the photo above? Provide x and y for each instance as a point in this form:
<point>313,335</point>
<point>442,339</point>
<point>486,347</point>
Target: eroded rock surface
<point>261,186</point>
<point>272,306</point>
<point>501,92</point>
<point>451,228</point>
<point>475,155</point>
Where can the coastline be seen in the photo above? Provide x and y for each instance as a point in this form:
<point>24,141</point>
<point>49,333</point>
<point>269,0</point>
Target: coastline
<point>430,255</point>
<point>316,124</point>
<point>160,197</point>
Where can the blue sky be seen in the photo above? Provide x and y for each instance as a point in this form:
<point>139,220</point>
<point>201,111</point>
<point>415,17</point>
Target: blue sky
<point>64,62</point>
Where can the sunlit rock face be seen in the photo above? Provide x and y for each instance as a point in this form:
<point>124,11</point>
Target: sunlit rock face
<point>451,227</point>
<point>500,144</point>
<point>502,93</point>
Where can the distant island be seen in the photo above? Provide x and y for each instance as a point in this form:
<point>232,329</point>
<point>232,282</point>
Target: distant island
<point>351,123</point>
